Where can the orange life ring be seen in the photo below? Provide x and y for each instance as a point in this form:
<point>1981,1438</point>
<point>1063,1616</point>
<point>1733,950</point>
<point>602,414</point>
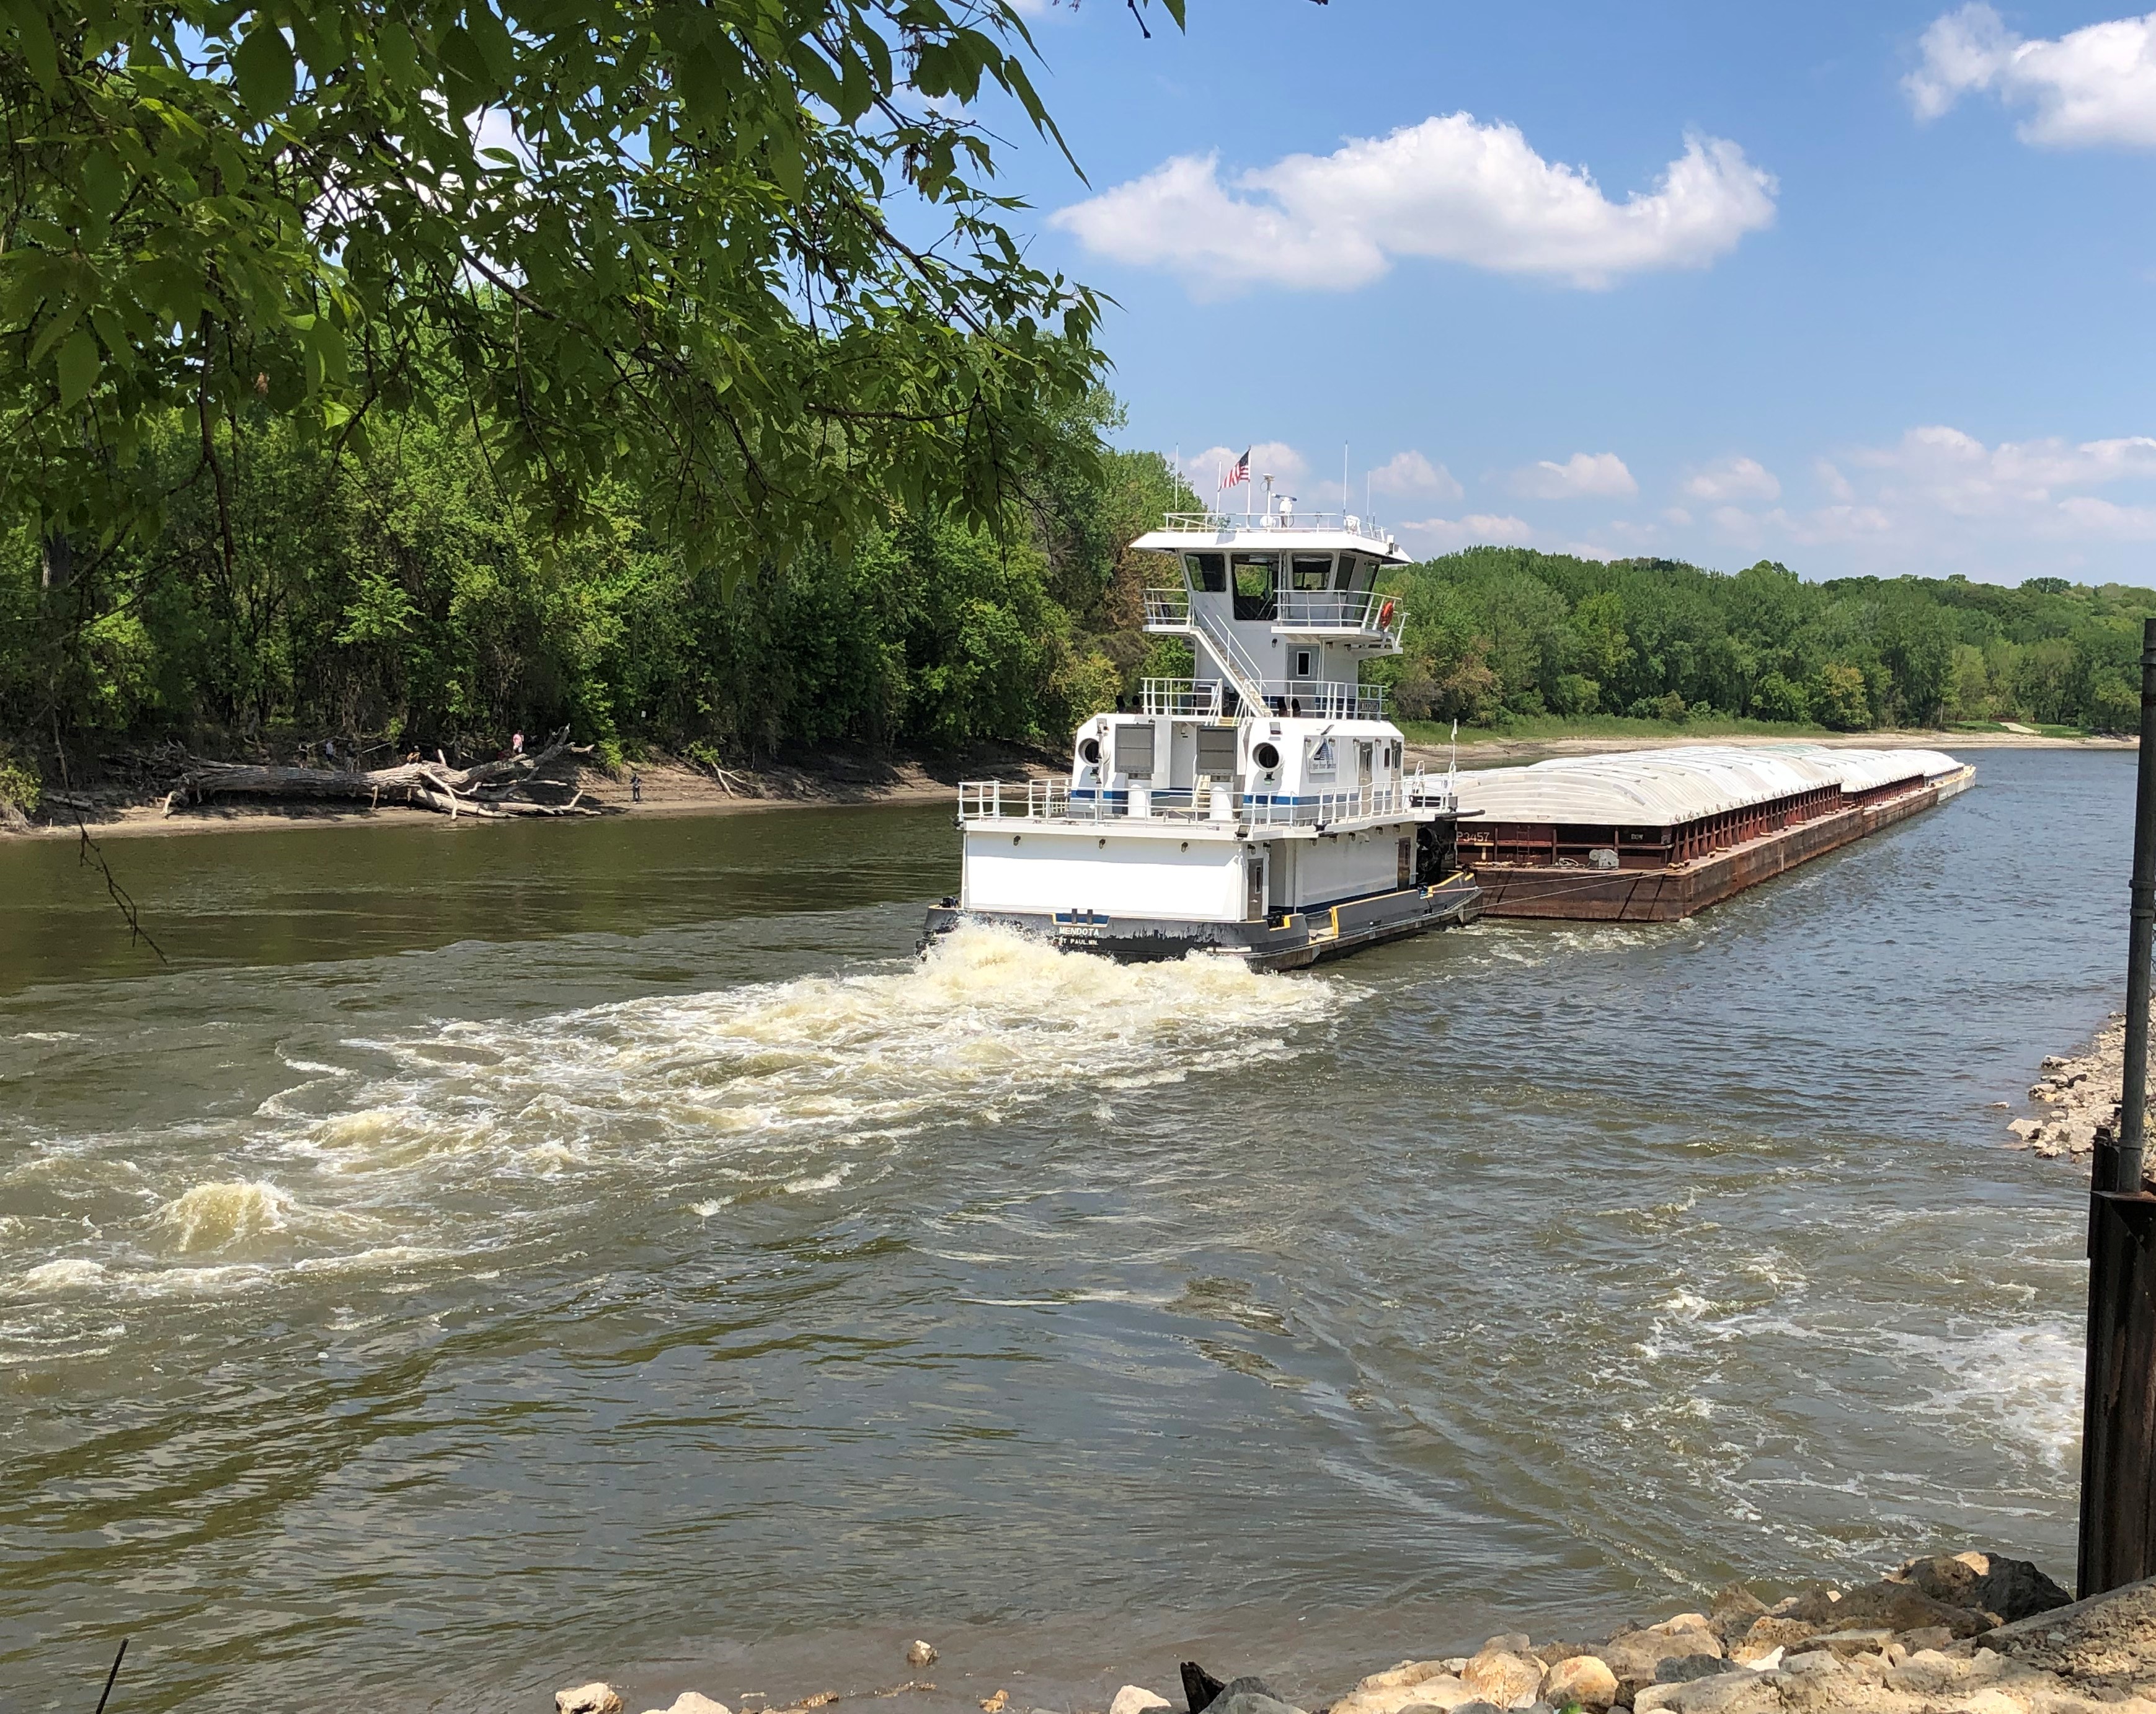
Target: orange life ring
<point>1384,615</point>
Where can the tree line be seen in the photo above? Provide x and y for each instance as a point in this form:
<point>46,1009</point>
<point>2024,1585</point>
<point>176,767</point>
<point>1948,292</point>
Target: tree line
<point>1497,634</point>
<point>398,593</point>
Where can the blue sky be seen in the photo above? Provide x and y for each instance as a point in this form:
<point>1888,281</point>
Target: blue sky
<point>1860,288</point>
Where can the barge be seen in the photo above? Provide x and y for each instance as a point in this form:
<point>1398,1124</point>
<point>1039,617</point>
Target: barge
<point>1261,809</point>
<point>1653,835</point>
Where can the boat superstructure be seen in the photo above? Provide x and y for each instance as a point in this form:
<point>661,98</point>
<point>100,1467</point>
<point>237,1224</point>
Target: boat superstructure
<point>1260,808</point>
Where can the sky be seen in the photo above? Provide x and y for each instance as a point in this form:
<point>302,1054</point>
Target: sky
<point>1865,288</point>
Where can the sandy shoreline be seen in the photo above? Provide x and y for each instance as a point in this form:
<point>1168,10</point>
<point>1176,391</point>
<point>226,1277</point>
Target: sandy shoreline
<point>673,789</point>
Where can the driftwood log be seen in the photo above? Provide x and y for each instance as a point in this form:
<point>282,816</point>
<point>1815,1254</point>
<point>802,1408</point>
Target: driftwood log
<point>492,791</point>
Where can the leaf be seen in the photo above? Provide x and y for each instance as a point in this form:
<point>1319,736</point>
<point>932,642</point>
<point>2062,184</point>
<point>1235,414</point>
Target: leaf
<point>263,68</point>
<point>104,184</point>
<point>78,367</point>
<point>398,54</point>
<point>37,41</point>
<point>497,48</point>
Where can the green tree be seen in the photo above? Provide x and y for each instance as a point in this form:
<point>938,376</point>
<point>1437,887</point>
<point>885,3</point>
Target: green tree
<point>630,242</point>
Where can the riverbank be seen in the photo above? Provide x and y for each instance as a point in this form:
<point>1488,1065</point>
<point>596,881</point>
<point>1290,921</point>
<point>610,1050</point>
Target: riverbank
<point>2077,1095</point>
<point>1974,1632</point>
<point>126,797</point>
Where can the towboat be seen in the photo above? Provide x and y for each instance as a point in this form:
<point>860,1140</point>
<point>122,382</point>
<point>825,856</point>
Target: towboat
<point>1260,809</point>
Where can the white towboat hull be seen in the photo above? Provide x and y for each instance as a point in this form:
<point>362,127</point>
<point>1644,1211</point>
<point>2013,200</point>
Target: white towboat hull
<point>1299,939</point>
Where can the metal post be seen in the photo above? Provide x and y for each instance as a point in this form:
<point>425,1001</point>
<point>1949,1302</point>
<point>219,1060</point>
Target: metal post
<point>2133,1096</point>
<point>2118,1411</point>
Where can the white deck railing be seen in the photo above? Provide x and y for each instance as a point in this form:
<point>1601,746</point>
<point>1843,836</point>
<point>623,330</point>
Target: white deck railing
<point>1052,800</point>
<point>1214,523</point>
<point>1303,699</point>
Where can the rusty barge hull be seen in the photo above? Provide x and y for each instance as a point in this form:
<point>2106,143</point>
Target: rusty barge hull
<point>1575,893</point>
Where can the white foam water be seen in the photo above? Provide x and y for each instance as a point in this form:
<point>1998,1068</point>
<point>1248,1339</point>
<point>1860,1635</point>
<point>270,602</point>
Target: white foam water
<point>785,1088</point>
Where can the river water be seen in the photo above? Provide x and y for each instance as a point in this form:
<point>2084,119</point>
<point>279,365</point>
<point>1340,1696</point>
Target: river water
<point>491,1257</point>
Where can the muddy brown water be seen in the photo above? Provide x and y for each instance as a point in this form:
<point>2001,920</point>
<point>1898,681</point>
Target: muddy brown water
<point>494,1257</point>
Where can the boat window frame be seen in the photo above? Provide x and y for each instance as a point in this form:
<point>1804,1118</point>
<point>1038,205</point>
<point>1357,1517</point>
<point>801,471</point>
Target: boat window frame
<point>1202,578</point>
<point>1254,606</point>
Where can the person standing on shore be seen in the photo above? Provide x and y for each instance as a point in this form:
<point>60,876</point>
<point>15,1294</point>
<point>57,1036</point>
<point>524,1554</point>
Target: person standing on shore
<point>635,787</point>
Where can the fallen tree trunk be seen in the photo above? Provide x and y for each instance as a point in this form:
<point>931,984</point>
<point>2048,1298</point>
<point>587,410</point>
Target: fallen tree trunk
<point>424,785</point>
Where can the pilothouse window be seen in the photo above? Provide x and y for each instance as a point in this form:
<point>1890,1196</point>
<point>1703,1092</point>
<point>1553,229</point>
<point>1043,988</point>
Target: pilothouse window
<point>1208,573</point>
<point>1310,570</point>
<point>1254,574</point>
<point>1345,578</point>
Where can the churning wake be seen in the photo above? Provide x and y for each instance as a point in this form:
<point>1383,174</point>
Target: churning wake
<point>471,1134</point>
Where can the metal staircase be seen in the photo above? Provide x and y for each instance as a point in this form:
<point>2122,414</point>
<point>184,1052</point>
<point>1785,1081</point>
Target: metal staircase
<point>1244,673</point>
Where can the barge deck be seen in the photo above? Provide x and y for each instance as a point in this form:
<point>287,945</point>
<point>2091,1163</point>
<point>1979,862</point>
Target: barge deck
<point>1655,836</point>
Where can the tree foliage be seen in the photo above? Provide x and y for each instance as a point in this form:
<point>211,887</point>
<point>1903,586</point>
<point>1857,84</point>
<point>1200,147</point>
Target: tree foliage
<point>1498,633</point>
<point>392,591</point>
<point>641,243</point>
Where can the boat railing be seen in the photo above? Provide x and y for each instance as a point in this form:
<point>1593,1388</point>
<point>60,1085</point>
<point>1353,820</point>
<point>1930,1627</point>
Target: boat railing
<point>1168,610</point>
<point>1216,523</point>
<point>1294,699</point>
<point>1360,613</point>
<point>1053,800</point>
<point>1188,699</point>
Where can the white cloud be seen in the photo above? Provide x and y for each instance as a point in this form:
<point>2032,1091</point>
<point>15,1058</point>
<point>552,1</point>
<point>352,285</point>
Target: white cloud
<point>1583,475</point>
<point>1409,473</point>
<point>1733,478</point>
<point>1678,515</point>
<point>1450,188</point>
<point>1477,529</point>
<point>1954,472</point>
<point>2092,86</point>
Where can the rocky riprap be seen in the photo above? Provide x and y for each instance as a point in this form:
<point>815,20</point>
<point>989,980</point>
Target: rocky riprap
<point>2081,1091</point>
<point>1965,1633</point>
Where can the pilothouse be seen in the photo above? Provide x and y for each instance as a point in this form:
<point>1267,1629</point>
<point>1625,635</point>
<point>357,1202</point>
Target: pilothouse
<point>1260,809</point>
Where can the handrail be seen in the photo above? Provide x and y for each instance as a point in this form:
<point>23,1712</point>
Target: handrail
<point>1168,610</point>
<point>1053,800</point>
<point>1366,612</point>
<point>1247,676</point>
<point>1214,523</point>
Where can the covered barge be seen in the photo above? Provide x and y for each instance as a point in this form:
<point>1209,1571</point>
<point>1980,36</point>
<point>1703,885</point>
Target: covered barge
<point>1652,835</point>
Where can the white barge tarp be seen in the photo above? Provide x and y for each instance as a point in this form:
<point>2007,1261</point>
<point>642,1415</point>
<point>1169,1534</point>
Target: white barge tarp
<point>1668,787</point>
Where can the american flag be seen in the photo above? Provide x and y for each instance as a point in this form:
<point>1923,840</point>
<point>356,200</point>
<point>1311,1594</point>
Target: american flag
<point>1239,471</point>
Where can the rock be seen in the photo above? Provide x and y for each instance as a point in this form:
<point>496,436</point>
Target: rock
<point>1395,1697</point>
<point>1733,1611</point>
<point>1930,1636</point>
<point>920,1653</point>
<point>995,1704</point>
<point>1845,1643</point>
<point>1132,1698</point>
<point>1408,1672</point>
<point>1682,1669</point>
<point>1247,1696</point>
<point>1653,1696</point>
<point>1447,1692</point>
<point>592,1698</point>
<point>1991,1583</point>
<point>1478,1708</point>
<point>1584,1679</point>
<point>1502,1677</point>
<point>692,1702</point>
<point>1994,1702</point>
<point>1771,1632</point>
<point>1767,1662</point>
<point>1888,1605</point>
